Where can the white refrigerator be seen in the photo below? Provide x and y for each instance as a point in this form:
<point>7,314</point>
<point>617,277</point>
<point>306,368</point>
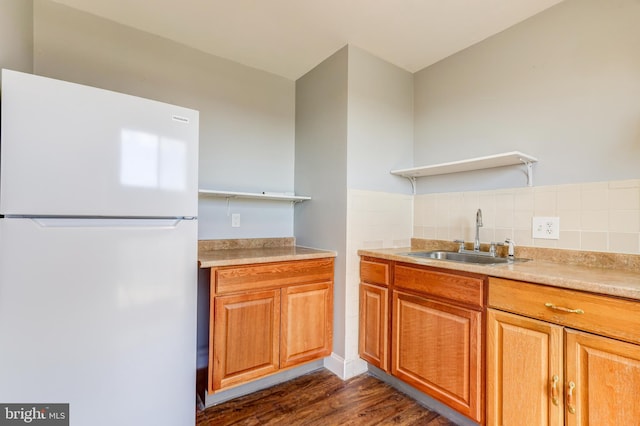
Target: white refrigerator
<point>98,253</point>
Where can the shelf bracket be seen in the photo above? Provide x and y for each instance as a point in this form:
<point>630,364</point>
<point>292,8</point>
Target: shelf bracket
<point>413,181</point>
<point>529,171</point>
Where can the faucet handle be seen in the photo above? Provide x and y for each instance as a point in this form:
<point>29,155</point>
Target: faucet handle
<point>511,245</point>
<point>492,249</point>
<point>460,244</point>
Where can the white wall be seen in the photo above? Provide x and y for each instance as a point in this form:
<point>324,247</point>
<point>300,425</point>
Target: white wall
<point>380,130</point>
<point>321,170</point>
<point>16,35</point>
<point>380,139</point>
<point>353,125</point>
<point>562,86</point>
<point>246,115</point>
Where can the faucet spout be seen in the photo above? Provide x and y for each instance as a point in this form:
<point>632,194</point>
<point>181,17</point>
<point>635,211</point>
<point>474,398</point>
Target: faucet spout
<point>476,243</point>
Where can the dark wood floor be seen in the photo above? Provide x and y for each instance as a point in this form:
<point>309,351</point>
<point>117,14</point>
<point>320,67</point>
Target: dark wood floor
<point>321,398</point>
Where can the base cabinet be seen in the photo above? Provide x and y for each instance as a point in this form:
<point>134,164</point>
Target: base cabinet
<point>247,334</point>
<point>307,315</point>
<point>524,371</point>
<point>268,317</point>
<point>544,371</point>
<point>606,375</point>
<point>425,326</point>
<point>437,349</point>
<point>373,339</point>
<point>374,325</point>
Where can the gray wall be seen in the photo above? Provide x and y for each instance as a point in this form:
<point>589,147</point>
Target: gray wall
<point>321,169</point>
<point>562,86</point>
<point>380,130</point>
<point>354,123</point>
<point>16,35</point>
<point>246,115</point>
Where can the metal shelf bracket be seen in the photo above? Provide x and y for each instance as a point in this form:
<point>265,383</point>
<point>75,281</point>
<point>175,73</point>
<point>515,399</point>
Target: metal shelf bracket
<point>529,171</point>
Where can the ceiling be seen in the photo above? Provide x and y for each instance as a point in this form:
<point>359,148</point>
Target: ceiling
<point>290,37</point>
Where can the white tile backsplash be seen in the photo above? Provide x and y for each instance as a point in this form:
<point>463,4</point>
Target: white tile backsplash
<point>624,198</point>
<point>598,216</point>
<point>375,220</point>
<point>601,216</point>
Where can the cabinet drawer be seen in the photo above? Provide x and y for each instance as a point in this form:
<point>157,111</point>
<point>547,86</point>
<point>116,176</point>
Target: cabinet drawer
<point>468,290</point>
<point>233,279</point>
<point>374,272</point>
<point>604,315</point>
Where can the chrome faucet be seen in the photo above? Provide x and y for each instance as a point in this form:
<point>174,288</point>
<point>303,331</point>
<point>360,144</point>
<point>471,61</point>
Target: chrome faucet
<point>476,243</point>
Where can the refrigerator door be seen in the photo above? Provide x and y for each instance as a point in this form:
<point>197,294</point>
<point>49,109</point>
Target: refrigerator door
<point>73,150</point>
<point>100,314</point>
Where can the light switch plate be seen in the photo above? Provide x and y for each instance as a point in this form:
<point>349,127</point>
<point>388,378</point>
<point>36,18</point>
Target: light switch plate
<point>235,220</point>
<point>546,227</point>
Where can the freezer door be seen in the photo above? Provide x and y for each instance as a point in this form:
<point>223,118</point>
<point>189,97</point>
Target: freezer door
<point>100,315</point>
<point>73,150</point>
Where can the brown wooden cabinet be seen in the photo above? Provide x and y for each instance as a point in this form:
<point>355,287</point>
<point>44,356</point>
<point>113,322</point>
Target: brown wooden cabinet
<point>374,333</point>
<point>436,348</point>
<point>436,337</point>
<point>373,341</point>
<point>606,375</point>
<point>307,316</point>
<point>246,337</point>
<point>268,317</point>
<point>544,371</point>
<point>424,326</point>
<point>525,371</point>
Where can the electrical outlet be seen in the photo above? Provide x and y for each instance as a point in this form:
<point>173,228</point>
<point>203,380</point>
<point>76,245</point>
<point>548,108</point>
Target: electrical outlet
<point>547,228</point>
<point>235,220</point>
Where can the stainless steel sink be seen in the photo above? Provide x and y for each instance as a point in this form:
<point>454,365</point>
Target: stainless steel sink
<point>454,256</point>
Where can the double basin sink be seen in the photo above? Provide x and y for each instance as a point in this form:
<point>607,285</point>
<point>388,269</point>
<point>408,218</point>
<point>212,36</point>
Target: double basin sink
<point>454,256</point>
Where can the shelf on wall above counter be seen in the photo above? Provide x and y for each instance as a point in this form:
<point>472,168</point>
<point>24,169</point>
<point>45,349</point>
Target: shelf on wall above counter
<point>253,195</point>
<point>478,163</point>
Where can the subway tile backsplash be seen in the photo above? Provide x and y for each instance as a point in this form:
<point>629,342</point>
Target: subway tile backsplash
<point>599,216</point>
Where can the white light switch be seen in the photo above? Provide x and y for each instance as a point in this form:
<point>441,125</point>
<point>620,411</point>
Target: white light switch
<point>235,220</point>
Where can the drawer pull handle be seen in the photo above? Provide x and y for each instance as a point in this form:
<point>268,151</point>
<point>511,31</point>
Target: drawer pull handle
<point>570,403</point>
<point>563,309</point>
<point>554,390</point>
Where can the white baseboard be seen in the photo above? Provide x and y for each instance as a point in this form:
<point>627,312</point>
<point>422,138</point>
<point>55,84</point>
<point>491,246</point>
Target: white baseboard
<point>345,369</point>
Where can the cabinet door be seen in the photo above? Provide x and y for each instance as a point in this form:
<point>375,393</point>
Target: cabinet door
<point>246,335</point>
<point>373,341</point>
<point>606,374</point>
<point>524,371</point>
<point>437,348</point>
<point>307,323</point>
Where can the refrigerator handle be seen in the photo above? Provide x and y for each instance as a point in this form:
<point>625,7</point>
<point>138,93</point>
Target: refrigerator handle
<point>75,222</point>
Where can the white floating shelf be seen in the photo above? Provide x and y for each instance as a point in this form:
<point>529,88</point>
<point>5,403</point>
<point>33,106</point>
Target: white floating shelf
<point>252,195</point>
<point>478,163</point>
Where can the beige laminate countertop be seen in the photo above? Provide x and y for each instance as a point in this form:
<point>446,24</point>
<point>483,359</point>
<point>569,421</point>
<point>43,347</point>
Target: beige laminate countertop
<point>614,282</point>
<point>242,256</point>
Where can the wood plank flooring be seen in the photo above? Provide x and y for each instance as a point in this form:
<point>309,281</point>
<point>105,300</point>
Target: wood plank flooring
<point>322,399</point>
